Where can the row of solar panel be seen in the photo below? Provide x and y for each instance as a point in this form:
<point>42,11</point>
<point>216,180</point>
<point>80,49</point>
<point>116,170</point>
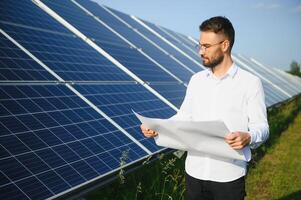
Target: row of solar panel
<point>56,137</point>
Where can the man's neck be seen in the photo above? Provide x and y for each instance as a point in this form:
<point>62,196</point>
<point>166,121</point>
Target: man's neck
<point>221,69</point>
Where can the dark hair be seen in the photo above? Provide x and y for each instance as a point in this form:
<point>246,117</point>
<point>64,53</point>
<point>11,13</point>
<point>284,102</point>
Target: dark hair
<point>219,24</point>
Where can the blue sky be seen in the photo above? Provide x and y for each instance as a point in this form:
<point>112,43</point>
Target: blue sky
<point>267,30</point>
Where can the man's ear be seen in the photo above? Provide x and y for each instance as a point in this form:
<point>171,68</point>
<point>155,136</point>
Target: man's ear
<point>226,45</point>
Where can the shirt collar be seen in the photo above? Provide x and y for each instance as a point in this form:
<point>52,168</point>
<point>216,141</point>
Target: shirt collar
<point>231,71</point>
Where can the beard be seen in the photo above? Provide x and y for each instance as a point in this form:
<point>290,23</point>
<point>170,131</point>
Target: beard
<point>214,62</point>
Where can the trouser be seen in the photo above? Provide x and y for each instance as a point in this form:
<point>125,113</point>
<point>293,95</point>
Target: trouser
<point>209,190</point>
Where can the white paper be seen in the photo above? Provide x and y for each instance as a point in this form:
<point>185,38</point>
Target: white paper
<point>206,137</point>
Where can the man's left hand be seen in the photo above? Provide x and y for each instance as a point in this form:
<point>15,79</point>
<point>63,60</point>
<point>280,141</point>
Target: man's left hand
<point>238,140</point>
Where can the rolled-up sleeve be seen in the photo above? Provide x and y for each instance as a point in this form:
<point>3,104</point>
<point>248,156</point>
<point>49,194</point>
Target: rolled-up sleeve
<point>257,114</point>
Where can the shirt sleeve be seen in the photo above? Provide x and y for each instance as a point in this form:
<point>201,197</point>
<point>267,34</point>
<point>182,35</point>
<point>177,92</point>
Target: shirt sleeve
<point>257,115</point>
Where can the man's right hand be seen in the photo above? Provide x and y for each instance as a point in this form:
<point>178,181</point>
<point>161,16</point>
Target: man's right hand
<point>148,132</point>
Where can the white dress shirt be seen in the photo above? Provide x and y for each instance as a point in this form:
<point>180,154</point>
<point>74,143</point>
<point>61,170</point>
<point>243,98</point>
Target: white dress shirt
<point>237,98</point>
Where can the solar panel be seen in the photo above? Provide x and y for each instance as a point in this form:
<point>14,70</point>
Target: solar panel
<point>15,12</point>
<point>192,55</point>
<point>174,93</point>
<point>284,85</point>
<point>184,43</point>
<point>296,81</point>
<point>140,41</point>
<point>117,101</point>
<point>146,70</point>
<point>51,141</point>
<point>106,39</point>
<point>182,39</point>
<point>284,80</point>
<point>15,65</point>
<point>172,51</point>
<point>271,98</point>
<point>68,56</point>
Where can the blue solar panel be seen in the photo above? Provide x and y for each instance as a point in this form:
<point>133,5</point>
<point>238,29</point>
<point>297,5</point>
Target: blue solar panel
<point>183,40</point>
<point>26,13</point>
<point>117,101</point>
<point>172,40</point>
<point>120,50</point>
<point>174,93</point>
<point>68,56</point>
<point>151,50</point>
<point>181,37</point>
<point>51,141</point>
<point>194,67</point>
<point>15,65</point>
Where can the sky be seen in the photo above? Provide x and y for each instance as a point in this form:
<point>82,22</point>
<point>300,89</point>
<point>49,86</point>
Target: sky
<point>267,30</point>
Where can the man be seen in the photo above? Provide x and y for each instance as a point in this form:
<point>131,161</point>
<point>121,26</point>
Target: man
<point>221,92</point>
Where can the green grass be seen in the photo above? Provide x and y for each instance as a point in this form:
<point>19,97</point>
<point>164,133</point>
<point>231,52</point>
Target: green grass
<point>163,179</point>
<point>273,171</point>
<point>160,180</point>
<point>278,174</point>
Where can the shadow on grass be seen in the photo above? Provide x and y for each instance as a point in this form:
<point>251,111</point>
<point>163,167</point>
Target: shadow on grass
<point>293,196</point>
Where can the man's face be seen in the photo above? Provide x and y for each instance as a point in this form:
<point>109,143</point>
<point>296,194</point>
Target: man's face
<point>211,48</point>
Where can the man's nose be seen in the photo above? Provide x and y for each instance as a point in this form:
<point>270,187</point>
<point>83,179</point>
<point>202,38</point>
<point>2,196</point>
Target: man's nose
<point>201,52</point>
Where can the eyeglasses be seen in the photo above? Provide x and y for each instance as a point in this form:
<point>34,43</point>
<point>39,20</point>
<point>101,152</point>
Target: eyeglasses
<point>204,47</point>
